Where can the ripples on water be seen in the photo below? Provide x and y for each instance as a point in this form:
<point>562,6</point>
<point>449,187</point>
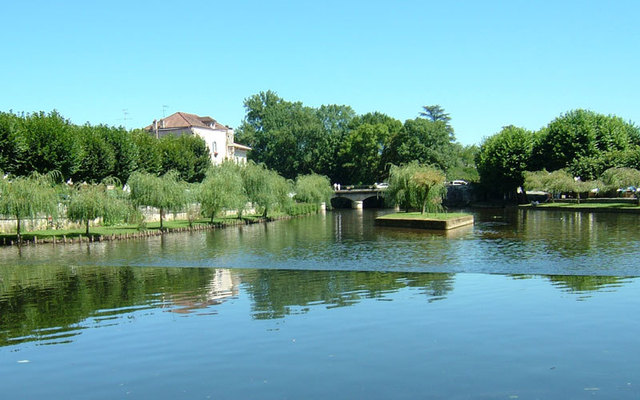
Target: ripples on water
<point>378,313</point>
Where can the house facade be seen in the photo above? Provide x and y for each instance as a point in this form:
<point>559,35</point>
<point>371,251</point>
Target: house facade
<point>219,138</point>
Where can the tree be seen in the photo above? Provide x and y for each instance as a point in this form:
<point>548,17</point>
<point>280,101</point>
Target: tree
<point>12,143</point>
<point>188,155</point>
<point>222,190</point>
<point>313,188</point>
<point>265,188</point>
<point>90,202</point>
<point>336,121</point>
<point>124,149</point>
<point>286,136</point>
<point>503,158</point>
<point>360,153</point>
<point>27,197</point>
<point>149,152</point>
<point>578,134</point>
<point>99,159</point>
<point>164,192</point>
<point>615,178</point>
<point>416,186</point>
<point>436,113</point>
<point>425,141</point>
<point>52,143</point>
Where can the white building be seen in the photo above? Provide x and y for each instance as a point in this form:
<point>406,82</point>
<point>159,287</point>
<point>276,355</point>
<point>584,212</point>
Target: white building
<point>219,138</point>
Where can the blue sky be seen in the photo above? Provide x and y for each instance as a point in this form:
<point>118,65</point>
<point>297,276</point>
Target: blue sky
<point>487,63</point>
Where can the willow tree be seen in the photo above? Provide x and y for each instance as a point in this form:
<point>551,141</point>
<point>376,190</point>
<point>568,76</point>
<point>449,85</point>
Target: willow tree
<point>416,186</point>
<point>28,197</point>
<point>222,190</point>
<point>90,202</point>
<point>313,188</point>
<point>265,188</point>
<point>164,192</point>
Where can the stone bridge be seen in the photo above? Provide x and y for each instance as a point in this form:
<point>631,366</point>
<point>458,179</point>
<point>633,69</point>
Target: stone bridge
<point>357,196</point>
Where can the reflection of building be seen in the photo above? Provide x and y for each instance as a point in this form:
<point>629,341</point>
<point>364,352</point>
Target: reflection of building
<point>223,285</point>
<point>219,138</point>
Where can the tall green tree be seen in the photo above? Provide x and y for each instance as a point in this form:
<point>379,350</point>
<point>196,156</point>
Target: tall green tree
<point>12,143</point>
<point>503,158</point>
<point>99,160</point>
<point>581,134</point>
<point>360,153</point>
<point>149,152</point>
<point>425,141</point>
<point>52,143</point>
<point>286,136</point>
<point>124,149</point>
<point>188,155</point>
<point>164,192</point>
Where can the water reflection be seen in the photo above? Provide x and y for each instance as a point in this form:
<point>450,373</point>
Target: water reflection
<point>52,304</point>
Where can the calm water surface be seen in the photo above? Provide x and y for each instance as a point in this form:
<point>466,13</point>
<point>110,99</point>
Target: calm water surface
<point>524,305</point>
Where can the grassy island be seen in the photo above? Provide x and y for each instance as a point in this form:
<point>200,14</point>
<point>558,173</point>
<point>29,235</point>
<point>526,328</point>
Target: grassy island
<point>436,221</point>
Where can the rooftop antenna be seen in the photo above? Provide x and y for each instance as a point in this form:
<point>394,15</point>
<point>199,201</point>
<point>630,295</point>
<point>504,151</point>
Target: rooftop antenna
<point>164,108</point>
<point>125,113</point>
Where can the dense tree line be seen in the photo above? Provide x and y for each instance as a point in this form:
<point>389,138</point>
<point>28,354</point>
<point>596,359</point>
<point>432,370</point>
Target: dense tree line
<point>228,187</point>
<point>578,146</point>
<point>333,141</point>
<point>42,143</point>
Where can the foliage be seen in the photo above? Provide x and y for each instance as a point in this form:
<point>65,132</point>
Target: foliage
<point>27,197</point>
<point>503,158</point>
<point>286,136</point>
<point>416,186</point>
<point>124,150</point>
<point>149,152</point>
<point>52,144</point>
<point>90,202</point>
<point>164,192</point>
<point>12,143</point>
<point>615,178</point>
<point>265,188</point>
<point>188,155</point>
<point>556,182</point>
<point>425,141</point>
<point>222,190</point>
<point>99,159</point>
<point>313,188</point>
<point>360,153</point>
<point>578,134</point>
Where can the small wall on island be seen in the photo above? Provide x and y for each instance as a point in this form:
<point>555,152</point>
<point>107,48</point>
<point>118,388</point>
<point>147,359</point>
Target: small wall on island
<point>425,223</point>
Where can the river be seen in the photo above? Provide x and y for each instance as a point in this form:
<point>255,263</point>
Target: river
<point>524,304</point>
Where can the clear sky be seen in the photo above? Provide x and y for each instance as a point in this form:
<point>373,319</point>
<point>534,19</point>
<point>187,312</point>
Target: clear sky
<point>487,63</point>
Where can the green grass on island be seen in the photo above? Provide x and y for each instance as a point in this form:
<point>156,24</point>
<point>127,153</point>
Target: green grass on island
<point>426,215</point>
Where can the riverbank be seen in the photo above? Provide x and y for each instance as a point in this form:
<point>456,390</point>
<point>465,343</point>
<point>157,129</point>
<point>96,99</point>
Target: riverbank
<point>590,207</point>
<point>132,231</point>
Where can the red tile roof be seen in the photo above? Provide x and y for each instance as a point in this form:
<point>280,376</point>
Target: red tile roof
<point>186,120</point>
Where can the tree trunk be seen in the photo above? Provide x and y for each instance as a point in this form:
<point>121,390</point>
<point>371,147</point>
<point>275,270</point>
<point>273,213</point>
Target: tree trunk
<point>18,230</point>
<point>578,197</point>
<point>161,213</point>
<point>87,227</point>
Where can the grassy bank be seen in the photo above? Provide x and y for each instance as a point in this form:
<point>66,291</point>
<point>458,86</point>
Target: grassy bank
<point>120,231</point>
<point>417,215</point>
<point>583,206</point>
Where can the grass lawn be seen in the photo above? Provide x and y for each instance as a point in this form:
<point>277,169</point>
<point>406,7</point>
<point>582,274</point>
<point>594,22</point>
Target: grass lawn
<point>120,229</point>
<point>587,205</point>
<point>426,215</point>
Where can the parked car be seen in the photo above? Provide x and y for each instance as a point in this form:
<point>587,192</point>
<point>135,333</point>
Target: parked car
<point>380,185</point>
<point>459,182</point>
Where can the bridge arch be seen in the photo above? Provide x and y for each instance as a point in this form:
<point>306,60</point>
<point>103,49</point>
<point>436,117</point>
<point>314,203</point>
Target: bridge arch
<point>357,197</point>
